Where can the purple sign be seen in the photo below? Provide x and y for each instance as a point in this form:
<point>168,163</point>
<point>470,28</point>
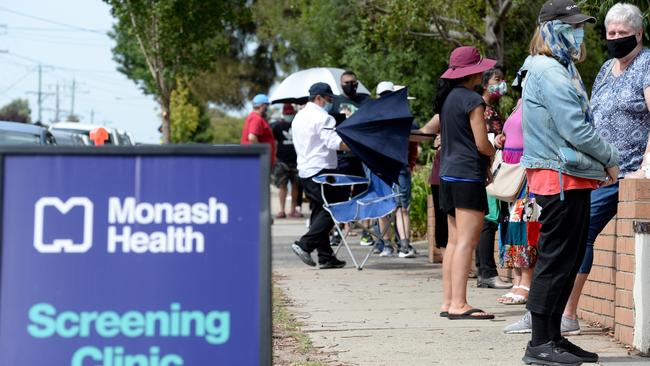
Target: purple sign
<point>134,259</point>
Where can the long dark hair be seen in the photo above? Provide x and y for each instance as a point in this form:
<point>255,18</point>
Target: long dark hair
<point>443,88</point>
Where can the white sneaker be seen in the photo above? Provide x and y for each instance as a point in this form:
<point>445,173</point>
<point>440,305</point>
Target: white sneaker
<point>409,253</point>
<point>387,252</point>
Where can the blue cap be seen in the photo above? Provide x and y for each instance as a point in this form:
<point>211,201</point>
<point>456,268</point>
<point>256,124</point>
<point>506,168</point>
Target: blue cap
<point>322,89</point>
<point>260,99</point>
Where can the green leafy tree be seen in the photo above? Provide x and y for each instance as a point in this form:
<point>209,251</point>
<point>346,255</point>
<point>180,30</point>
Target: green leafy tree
<point>16,111</point>
<point>226,129</point>
<point>184,116</point>
<point>160,41</point>
<point>600,8</point>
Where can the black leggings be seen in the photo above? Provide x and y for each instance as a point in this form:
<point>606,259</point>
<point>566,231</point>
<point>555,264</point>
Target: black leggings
<point>441,230</point>
<point>562,242</point>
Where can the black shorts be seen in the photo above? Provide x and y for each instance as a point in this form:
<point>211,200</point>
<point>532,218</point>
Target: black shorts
<point>467,195</point>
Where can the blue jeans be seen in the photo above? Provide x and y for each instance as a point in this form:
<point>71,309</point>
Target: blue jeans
<point>404,183</point>
<point>604,203</point>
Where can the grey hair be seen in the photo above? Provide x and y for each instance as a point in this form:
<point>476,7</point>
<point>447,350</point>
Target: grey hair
<point>623,13</point>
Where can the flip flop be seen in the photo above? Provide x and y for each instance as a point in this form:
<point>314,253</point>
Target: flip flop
<point>468,315</point>
<point>444,314</point>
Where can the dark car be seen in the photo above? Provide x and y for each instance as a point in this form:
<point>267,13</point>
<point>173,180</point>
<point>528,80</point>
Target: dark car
<point>14,133</point>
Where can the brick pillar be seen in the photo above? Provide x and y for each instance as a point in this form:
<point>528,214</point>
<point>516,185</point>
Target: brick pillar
<point>634,205</point>
<point>608,297</point>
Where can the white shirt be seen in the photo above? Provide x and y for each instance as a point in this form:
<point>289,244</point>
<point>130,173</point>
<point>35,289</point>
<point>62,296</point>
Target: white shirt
<point>315,140</point>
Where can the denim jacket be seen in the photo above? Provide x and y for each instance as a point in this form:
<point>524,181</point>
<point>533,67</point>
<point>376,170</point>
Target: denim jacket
<point>553,118</point>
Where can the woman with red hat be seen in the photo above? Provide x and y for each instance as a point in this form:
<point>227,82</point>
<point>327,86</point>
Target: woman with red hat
<point>465,156</point>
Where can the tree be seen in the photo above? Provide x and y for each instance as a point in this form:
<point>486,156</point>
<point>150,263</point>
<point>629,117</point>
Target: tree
<point>600,8</point>
<point>184,116</point>
<point>160,42</point>
<point>16,111</point>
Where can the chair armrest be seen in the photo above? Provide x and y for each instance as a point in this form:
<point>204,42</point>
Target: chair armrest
<point>340,179</point>
<point>363,202</point>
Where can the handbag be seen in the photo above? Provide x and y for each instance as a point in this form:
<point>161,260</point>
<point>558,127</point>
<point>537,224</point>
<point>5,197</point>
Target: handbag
<point>507,181</point>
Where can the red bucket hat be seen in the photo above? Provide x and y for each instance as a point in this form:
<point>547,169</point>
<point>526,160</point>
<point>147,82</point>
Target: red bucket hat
<point>465,61</point>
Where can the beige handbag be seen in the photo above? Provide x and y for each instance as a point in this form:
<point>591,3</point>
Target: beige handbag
<point>507,180</point>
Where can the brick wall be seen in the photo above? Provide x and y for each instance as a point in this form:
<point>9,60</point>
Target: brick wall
<point>607,297</point>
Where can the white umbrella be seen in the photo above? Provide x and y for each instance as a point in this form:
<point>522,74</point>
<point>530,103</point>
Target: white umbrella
<point>295,88</point>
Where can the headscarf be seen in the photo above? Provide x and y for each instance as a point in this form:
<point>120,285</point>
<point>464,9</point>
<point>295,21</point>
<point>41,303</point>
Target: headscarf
<point>560,38</point>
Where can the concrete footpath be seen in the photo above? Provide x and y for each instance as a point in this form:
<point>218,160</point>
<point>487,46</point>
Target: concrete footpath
<point>387,314</point>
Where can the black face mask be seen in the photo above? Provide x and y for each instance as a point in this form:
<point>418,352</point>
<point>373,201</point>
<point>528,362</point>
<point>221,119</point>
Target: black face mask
<point>621,47</point>
<point>350,89</point>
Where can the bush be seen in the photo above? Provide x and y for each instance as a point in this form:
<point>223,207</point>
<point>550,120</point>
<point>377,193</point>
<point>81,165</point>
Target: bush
<point>420,191</point>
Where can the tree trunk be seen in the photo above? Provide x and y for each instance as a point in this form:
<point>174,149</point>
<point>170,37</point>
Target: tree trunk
<point>166,122</point>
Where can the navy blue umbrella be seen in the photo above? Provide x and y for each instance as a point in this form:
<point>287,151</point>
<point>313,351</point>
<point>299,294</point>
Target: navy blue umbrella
<point>378,133</point>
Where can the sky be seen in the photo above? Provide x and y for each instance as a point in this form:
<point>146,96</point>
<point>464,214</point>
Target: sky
<point>68,39</point>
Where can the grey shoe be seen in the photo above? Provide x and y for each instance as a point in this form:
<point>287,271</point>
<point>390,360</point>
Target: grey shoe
<point>550,353</point>
<point>493,282</point>
<point>387,252</point>
<point>524,325</point>
<point>569,326</point>
<point>379,247</point>
<point>303,255</point>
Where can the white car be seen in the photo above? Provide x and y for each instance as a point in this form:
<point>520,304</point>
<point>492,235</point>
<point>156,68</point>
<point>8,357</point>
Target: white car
<point>115,137</point>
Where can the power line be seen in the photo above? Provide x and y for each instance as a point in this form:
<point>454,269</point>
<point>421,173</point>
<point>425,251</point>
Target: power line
<point>82,29</point>
<point>17,82</point>
<point>39,29</point>
<point>60,67</point>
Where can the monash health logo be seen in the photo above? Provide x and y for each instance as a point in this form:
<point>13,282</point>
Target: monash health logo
<point>63,245</point>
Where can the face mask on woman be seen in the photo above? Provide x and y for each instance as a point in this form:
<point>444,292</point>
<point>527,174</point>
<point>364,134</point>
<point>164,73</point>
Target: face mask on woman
<point>621,47</point>
<point>498,90</point>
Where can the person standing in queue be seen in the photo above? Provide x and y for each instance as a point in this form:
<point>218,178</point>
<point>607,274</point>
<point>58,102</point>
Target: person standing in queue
<point>565,159</point>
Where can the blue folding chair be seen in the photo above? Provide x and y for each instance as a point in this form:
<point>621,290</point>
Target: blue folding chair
<point>379,200</point>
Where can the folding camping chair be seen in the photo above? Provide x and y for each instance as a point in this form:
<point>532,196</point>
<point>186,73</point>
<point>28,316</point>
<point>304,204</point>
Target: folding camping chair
<point>379,200</point>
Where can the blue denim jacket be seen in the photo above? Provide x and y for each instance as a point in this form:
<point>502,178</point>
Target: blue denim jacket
<point>553,118</point>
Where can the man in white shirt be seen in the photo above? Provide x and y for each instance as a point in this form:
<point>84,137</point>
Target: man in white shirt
<point>316,142</point>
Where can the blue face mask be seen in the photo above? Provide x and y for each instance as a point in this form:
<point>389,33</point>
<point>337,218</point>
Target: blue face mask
<point>579,36</point>
<point>328,107</point>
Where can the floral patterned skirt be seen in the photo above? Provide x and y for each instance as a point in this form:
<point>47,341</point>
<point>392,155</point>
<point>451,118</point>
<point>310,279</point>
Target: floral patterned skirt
<point>519,229</point>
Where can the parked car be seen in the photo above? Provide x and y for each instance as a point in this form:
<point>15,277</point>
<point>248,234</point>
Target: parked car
<point>70,138</point>
<point>14,133</point>
<point>114,137</point>
<point>124,138</point>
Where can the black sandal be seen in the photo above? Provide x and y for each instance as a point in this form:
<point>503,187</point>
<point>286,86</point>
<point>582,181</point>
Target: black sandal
<point>468,315</point>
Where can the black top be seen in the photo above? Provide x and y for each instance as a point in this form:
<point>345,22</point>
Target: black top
<point>347,106</point>
<point>286,153</point>
<point>460,157</point>
<point>348,162</point>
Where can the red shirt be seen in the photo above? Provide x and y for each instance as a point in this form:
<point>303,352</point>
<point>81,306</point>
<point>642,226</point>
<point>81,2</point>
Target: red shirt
<point>258,126</point>
<point>546,182</point>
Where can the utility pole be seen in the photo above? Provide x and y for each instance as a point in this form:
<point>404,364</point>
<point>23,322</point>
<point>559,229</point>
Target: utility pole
<point>57,110</point>
<point>3,32</point>
<point>40,94</point>
<point>74,87</point>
